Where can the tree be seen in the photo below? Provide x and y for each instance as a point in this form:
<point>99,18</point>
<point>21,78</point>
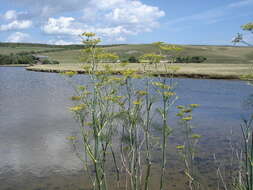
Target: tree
<point>248,27</point>
<point>133,59</point>
<point>239,38</point>
<point>171,48</point>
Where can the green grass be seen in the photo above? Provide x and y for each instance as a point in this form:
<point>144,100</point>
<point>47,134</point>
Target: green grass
<point>214,54</point>
<point>65,57</point>
<point>14,50</point>
<point>221,60</point>
<point>207,70</point>
<point>71,54</point>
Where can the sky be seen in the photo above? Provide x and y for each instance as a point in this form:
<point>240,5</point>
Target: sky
<point>203,22</point>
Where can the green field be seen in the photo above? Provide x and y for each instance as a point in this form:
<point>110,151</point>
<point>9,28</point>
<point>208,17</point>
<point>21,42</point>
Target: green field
<point>192,70</point>
<point>214,54</point>
<point>25,48</point>
<point>222,61</point>
<point>71,54</point>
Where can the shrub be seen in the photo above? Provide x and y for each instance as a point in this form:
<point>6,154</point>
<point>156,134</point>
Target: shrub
<point>189,59</point>
<point>124,61</point>
<point>133,59</point>
<point>46,61</point>
<point>16,59</point>
<point>55,62</point>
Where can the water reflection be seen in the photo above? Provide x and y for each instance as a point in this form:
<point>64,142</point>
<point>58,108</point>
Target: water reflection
<point>34,123</point>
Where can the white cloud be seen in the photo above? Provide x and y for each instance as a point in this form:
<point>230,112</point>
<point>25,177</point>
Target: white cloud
<point>16,25</point>
<point>15,15</point>
<point>18,37</point>
<point>241,3</point>
<point>112,19</point>
<point>69,26</point>
<point>48,8</point>
<point>134,12</point>
<point>121,39</point>
<point>10,15</point>
<point>62,25</point>
<point>60,42</point>
<point>111,31</point>
<point>110,4</point>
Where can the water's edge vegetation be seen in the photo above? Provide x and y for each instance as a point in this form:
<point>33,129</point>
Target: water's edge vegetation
<point>107,116</point>
<point>117,71</point>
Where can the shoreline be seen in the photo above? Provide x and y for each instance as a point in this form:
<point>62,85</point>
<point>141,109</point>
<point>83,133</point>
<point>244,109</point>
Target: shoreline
<point>15,65</point>
<point>179,74</point>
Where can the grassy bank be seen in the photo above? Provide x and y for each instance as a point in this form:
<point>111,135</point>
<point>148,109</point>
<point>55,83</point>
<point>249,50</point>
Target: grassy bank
<point>71,54</point>
<point>214,54</point>
<point>210,71</point>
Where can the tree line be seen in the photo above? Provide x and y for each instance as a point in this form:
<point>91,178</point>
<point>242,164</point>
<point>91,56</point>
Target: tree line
<point>23,58</point>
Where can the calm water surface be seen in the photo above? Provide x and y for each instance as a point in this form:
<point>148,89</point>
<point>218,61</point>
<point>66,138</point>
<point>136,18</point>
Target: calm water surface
<point>35,121</point>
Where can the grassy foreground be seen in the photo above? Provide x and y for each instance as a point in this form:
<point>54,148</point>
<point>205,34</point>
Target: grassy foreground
<point>210,71</point>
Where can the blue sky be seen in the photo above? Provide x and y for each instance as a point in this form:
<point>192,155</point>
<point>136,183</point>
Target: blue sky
<point>208,22</point>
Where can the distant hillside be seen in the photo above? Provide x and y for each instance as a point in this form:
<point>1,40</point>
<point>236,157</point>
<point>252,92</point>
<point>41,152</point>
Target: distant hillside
<point>71,53</point>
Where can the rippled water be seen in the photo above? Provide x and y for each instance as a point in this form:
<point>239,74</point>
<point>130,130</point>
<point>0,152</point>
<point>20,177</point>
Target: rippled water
<point>35,121</point>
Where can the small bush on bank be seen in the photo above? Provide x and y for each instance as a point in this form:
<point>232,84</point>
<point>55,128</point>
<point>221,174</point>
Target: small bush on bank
<point>46,62</point>
<point>55,62</point>
<point>189,59</point>
<point>133,59</point>
<point>50,62</point>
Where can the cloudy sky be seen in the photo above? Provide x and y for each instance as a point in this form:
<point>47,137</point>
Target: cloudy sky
<point>124,21</point>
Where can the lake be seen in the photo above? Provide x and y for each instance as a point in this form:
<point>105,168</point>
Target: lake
<point>35,122</point>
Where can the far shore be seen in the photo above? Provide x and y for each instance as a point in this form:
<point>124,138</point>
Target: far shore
<point>15,65</point>
<point>193,70</point>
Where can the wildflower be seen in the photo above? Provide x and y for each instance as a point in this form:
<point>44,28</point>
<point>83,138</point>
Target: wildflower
<point>137,102</point>
<point>180,147</point>
<point>113,98</point>
<point>76,98</point>
<point>142,92</point>
<point>99,72</point>
<point>115,79</point>
<point>161,85</point>
<point>168,94</point>
<point>180,107</point>
<point>81,88</point>
<point>71,138</point>
<point>180,114</point>
<point>189,118</point>
<point>187,110</point>
<point>136,76</point>
<point>194,105</point>
<point>70,73</point>
<point>88,124</point>
<point>85,93</point>
<point>196,136</point>
<point>78,108</point>
<point>86,67</point>
<point>88,34</point>
<point>128,72</point>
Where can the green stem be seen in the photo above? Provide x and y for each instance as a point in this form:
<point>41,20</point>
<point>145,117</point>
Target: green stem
<point>163,140</point>
<point>147,136</point>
